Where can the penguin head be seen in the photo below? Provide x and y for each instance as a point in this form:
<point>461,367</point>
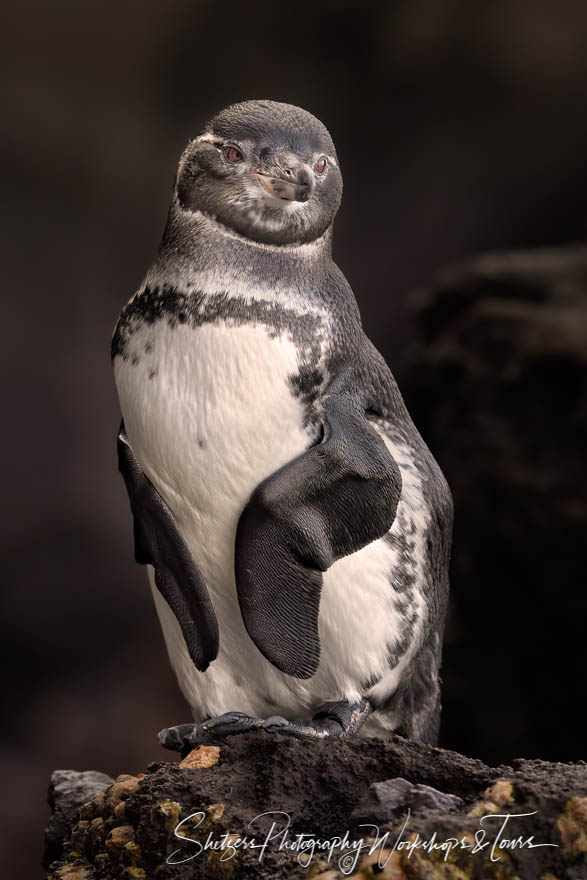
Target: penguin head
<point>266,170</point>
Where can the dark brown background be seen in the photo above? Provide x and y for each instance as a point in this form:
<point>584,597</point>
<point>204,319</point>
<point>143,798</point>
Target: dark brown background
<point>461,128</point>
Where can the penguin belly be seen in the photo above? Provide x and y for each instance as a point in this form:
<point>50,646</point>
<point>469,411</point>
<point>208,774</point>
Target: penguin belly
<point>210,412</point>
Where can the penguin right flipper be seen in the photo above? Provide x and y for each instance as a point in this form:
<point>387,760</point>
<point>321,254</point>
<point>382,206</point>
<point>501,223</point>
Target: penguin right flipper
<point>331,501</point>
<point>158,543</point>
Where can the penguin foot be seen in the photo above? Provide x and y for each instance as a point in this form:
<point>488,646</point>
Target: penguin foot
<point>339,719</point>
<point>185,737</point>
<point>181,738</point>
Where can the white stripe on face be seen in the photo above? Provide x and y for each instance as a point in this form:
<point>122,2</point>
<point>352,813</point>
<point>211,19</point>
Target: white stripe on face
<point>208,138</point>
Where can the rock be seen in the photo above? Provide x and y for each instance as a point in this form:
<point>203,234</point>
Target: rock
<point>68,790</point>
<point>204,756</point>
<point>388,800</point>
<point>498,388</point>
<point>572,826</point>
<point>494,798</point>
<point>270,789</point>
<point>118,838</point>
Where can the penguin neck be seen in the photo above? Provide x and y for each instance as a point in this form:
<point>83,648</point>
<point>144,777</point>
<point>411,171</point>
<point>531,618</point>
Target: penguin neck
<point>201,233</point>
<point>201,253</point>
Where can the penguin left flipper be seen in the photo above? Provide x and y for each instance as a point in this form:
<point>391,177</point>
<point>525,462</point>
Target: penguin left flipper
<point>332,500</point>
<point>159,543</point>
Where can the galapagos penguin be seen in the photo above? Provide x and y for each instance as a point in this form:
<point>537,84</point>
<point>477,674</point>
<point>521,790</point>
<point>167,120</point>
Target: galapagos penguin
<point>295,526</point>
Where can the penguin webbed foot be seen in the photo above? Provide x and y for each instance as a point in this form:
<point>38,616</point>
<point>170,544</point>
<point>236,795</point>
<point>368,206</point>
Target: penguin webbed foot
<point>185,737</point>
<point>339,719</point>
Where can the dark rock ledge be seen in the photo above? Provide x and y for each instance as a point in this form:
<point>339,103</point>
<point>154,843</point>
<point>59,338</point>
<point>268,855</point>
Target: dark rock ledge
<point>101,828</point>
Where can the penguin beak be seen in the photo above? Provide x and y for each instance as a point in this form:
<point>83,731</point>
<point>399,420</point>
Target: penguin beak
<point>293,182</point>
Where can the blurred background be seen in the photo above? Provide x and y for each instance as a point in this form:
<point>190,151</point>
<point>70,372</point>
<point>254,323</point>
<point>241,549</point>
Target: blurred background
<point>461,130</point>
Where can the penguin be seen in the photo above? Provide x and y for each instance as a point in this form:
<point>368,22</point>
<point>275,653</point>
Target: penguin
<point>295,527</point>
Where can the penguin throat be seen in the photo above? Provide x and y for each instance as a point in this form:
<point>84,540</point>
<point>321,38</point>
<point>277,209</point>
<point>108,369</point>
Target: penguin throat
<point>205,222</point>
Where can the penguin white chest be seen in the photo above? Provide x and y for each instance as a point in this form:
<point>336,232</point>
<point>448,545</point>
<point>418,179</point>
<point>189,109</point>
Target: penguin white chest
<point>210,412</point>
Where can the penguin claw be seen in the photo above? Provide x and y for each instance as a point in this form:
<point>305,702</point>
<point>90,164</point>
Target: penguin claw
<point>181,738</point>
<point>340,719</point>
<point>185,737</point>
<point>275,722</point>
<point>235,722</point>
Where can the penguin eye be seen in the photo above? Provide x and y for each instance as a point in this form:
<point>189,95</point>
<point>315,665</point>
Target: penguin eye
<point>233,154</point>
<point>320,166</point>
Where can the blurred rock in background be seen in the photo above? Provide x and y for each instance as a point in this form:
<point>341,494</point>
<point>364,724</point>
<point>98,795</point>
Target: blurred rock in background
<point>498,386</point>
